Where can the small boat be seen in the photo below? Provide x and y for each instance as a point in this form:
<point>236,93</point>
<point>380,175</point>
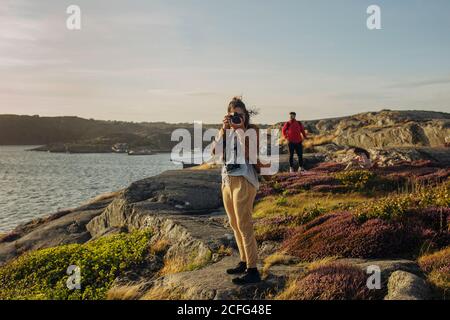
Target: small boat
<point>143,152</point>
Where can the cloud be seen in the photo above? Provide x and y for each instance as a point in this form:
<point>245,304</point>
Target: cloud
<point>421,83</point>
<point>192,93</point>
<point>21,37</point>
<point>150,19</point>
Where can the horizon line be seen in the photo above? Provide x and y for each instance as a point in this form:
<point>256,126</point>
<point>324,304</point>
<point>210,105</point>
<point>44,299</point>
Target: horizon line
<point>166,122</point>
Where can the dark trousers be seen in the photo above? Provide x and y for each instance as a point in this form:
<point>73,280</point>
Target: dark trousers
<point>298,148</point>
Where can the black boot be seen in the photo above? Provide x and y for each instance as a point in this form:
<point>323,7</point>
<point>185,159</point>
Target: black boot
<point>251,276</point>
<point>240,268</point>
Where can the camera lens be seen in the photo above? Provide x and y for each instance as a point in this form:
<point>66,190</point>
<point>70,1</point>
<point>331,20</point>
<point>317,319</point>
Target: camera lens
<point>236,118</point>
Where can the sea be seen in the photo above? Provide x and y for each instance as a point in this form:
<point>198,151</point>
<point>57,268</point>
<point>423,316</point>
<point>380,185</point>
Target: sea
<point>35,184</point>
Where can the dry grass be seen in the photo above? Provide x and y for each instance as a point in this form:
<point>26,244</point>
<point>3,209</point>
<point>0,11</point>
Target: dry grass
<point>277,258</point>
<point>127,292</point>
<point>435,260</point>
<point>224,251</point>
<point>183,263</point>
<point>157,293</point>
<point>318,263</point>
<point>437,267</point>
<point>441,280</point>
<point>173,265</point>
<point>318,140</point>
<point>313,140</point>
<point>159,247</point>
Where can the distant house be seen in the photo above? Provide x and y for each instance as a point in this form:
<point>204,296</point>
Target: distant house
<point>120,148</point>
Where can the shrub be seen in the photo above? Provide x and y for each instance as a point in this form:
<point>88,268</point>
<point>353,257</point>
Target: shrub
<point>330,177</point>
<point>288,184</point>
<point>385,208</point>
<point>275,228</point>
<point>397,205</point>
<point>356,179</point>
<point>281,201</point>
<point>437,267</point>
<point>310,213</point>
<point>276,186</point>
<point>42,274</point>
<point>333,281</point>
<point>340,234</point>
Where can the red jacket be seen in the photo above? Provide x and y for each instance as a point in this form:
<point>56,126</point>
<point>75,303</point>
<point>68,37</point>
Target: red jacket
<point>294,131</point>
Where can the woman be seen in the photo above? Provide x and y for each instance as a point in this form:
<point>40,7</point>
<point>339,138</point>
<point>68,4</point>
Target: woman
<point>239,186</point>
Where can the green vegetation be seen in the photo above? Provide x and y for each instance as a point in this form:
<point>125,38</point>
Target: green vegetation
<point>281,201</point>
<point>198,260</point>
<point>85,135</point>
<point>397,205</point>
<point>275,215</point>
<point>42,274</point>
<point>357,180</point>
<point>312,212</point>
<point>306,202</point>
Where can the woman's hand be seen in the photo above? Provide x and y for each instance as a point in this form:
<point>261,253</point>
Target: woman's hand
<point>226,122</point>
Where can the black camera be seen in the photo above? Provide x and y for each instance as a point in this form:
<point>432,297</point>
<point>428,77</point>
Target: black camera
<point>232,167</point>
<point>236,118</point>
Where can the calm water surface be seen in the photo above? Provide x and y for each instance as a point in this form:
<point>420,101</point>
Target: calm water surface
<point>34,184</point>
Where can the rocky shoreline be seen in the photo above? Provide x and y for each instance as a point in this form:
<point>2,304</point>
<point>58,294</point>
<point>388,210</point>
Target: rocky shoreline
<point>183,209</point>
<point>317,233</point>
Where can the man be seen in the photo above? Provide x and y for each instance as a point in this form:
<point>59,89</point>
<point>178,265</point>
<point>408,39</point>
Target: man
<point>295,133</point>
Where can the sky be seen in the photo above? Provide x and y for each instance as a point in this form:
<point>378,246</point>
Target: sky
<point>180,61</point>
